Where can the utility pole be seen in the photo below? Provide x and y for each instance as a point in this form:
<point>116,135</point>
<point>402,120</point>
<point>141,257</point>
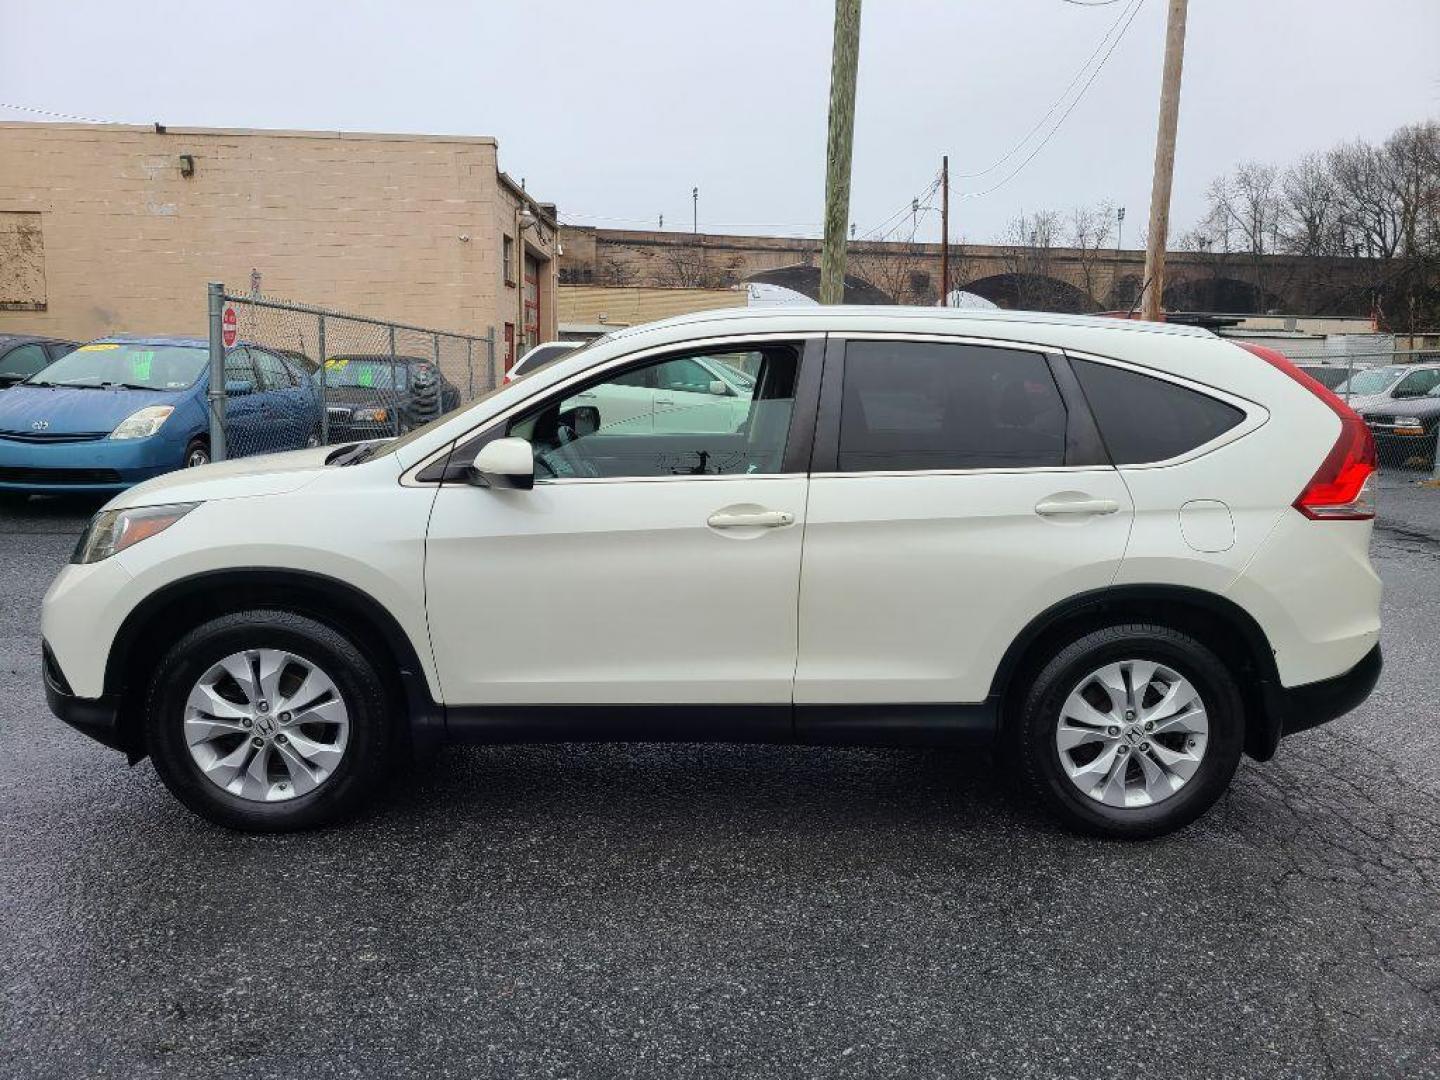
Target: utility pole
<point>945,230</point>
<point>844,62</point>
<point>695,210</point>
<point>1154,280</point>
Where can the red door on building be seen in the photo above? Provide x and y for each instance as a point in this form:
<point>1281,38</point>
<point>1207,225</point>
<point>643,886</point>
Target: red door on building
<point>532,303</point>
<point>509,345</point>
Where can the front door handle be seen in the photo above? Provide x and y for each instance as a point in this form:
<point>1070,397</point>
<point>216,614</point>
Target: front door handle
<point>1060,507</point>
<point>750,519</point>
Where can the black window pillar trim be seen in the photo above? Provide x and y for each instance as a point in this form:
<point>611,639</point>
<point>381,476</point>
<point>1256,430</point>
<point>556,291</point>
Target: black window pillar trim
<point>1083,444</point>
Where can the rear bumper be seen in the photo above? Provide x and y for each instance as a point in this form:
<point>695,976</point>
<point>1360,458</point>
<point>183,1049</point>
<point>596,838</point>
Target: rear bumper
<point>1299,708</point>
<point>97,717</point>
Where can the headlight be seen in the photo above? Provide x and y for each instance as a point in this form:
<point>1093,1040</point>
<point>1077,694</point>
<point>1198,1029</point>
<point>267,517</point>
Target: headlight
<point>144,423</point>
<point>112,531</point>
<point>370,416</point>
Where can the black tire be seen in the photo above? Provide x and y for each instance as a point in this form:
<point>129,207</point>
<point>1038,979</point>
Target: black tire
<point>1033,731</point>
<point>369,753</point>
<point>197,453</point>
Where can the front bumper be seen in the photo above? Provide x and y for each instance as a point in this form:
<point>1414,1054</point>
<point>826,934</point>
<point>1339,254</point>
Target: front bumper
<point>91,466</point>
<point>97,717</point>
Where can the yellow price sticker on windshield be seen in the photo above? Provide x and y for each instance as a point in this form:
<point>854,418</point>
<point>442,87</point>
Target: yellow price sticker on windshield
<point>99,346</point>
<point>336,363</point>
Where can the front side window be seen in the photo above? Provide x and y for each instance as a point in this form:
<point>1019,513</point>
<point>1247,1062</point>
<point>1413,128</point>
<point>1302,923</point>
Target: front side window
<point>141,365</point>
<point>915,406</point>
<point>670,417</point>
<point>1418,383</point>
<point>274,375</point>
<point>1144,419</point>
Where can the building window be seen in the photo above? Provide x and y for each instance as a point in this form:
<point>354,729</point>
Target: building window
<point>508,259</point>
<point>22,262</point>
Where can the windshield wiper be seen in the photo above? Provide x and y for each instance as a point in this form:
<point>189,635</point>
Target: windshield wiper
<point>126,386</point>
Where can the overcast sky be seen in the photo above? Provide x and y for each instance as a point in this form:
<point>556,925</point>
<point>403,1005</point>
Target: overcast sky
<point>615,109</point>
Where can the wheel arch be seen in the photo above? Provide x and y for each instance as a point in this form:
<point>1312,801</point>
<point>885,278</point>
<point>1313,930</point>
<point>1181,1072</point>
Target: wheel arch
<point>1217,622</point>
<point>164,616</point>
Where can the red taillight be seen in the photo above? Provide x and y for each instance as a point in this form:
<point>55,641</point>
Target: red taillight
<point>1340,488</point>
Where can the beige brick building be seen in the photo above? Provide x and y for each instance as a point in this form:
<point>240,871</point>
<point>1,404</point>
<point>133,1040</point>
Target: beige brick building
<point>110,229</point>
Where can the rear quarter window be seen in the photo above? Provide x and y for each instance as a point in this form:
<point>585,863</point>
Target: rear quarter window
<point>1144,419</point>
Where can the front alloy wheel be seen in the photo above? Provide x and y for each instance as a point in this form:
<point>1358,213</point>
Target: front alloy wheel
<point>266,725</point>
<point>270,720</point>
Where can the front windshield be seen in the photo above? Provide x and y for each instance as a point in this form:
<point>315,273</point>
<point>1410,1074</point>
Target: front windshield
<point>137,365</point>
<point>420,432</point>
<point>366,373</point>
<point>1373,381</point>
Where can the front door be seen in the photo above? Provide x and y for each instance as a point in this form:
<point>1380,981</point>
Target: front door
<point>645,566</point>
<point>952,502</point>
<point>246,407</point>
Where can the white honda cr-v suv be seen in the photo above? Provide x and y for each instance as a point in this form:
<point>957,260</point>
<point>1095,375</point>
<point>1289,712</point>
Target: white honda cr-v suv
<point>1121,553</point>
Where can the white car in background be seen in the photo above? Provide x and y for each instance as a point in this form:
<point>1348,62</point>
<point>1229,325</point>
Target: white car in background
<point>1383,385</point>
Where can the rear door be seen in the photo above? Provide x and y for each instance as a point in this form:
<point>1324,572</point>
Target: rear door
<point>285,404</point>
<point>959,490</point>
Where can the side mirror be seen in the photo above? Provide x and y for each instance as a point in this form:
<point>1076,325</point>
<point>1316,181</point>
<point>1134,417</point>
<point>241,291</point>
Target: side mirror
<point>504,463</point>
<point>238,387</point>
<point>718,388</point>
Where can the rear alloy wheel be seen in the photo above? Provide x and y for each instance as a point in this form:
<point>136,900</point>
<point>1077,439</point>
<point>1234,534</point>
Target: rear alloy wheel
<point>269,721</point>
<point>197,454</point>
<point>1131,731</point>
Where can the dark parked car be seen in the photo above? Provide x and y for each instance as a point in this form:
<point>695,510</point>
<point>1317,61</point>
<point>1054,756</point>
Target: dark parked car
<point>23,355</point>
<point>375,396</point>
<point>1405,429</point>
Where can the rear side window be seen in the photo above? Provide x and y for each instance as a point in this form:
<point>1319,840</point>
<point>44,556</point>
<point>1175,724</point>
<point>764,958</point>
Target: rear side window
<point>912,405</point>
<point>1144,419</point>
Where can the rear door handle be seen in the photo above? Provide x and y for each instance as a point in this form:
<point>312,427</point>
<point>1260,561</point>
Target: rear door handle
<point>664,401</point>
<point>1059,507</point>
<point>753,519</point>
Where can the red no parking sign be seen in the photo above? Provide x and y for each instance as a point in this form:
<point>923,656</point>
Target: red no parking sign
<point>227,324</point>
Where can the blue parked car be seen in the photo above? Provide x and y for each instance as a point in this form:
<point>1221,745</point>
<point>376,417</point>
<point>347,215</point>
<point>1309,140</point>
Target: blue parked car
<point>121,410</point>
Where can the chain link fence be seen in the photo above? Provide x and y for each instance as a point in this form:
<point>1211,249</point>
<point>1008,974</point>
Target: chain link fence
<point>295,375</point>
<point>1396,391</point>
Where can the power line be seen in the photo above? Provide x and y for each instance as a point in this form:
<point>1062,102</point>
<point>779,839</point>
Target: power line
<point>1063,116</point>
<point>55,115</point>
<point>880,231</point>
<point>1054,104</point>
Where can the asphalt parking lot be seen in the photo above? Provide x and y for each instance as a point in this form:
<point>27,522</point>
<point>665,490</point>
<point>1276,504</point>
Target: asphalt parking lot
<point>672,911</point>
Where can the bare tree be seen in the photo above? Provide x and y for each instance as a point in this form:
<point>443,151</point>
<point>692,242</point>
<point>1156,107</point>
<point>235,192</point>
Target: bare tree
<point>1090,231</point>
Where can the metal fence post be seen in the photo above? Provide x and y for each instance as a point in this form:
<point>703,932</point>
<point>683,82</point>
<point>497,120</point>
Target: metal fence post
<point>216,393</point>
<point>470,368</point>
<point>490,359</point>
<point>324,367</point>
<point>394,376</point>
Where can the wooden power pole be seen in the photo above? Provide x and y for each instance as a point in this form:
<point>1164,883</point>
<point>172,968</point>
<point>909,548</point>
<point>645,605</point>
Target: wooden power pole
<point>843,65</point>
<point>1164,162</point>
<point>945,231</point>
